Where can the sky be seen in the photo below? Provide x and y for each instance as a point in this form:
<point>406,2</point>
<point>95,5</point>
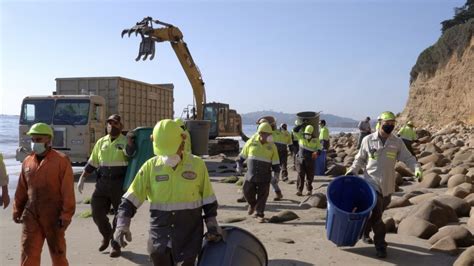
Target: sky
<point>343,57</point>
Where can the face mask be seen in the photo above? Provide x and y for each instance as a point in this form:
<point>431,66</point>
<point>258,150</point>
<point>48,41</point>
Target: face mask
<point>113,131</point>
<point>388,128</point>
<point>172,160</point>
<point>270,138</point>
<point>38,147</point>
<point>308,137</point>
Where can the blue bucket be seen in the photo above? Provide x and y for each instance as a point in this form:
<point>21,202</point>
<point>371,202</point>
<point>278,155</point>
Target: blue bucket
<point>350,201</point>
<point>320,164</point>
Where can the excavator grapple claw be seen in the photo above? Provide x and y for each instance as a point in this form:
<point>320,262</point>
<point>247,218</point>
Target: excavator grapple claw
<point>147,45</point>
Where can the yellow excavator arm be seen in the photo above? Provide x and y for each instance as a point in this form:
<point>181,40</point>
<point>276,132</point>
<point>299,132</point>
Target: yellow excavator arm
<point>172,34</point>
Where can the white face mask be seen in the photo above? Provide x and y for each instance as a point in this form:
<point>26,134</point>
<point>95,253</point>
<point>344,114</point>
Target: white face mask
<point>308,137</point>
<point>172,160</point>
<point>270,139</point>
<point>38,147</point>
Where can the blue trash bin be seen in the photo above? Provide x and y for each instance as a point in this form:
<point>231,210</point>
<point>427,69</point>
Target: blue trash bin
<point>320,164</point>
<point>350,201</point>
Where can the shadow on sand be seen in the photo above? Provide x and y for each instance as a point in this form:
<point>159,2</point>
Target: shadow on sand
<point>402,254</point>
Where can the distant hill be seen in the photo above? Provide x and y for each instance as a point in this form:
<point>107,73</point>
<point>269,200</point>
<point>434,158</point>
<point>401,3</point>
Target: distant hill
<point>331,120</point>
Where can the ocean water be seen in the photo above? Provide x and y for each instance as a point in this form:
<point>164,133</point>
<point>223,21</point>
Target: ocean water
<point>9,142</point>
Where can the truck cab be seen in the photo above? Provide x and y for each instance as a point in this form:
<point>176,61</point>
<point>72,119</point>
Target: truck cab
<point>77,122</point>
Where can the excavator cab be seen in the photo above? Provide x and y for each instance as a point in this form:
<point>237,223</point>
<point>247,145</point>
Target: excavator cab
<point>225,122</point>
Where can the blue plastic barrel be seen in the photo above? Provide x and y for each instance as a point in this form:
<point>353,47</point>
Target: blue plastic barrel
<point>350,201</point>
<point>320,164</point>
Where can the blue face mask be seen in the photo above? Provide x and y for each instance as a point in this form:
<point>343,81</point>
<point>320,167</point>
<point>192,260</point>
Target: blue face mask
<point>38,147</point>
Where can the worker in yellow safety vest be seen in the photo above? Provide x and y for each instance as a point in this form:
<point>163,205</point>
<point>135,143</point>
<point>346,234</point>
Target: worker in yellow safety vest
<point>262,158</point>
<point>324,134</point>
<point>109,160</point>
<point>177,185</point>
<point>309,149</point>
<point>408,134</point>
<point>282,139</point>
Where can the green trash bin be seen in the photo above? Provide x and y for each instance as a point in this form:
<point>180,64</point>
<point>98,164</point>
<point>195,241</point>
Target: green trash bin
<point>143,153</point>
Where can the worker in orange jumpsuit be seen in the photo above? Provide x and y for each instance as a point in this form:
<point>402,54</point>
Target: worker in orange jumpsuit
<point>44,199</point>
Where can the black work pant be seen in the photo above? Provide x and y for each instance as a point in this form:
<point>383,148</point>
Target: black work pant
<point>166,259</point>
<point>325,144</point>
<point>375,223</point>
<point>283,154</point>
<point>362,135</point>
<point>108,192</point>
<point>408,144</point>
<point>305,168</point>
<point>256,194</point>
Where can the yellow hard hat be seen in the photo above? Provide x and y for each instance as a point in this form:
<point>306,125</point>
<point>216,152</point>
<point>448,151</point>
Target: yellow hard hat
<point>309,129</point>
<point>40,129</point>
<point>180,122</point>
<point>298,122</point>
<point>410,123</point>
<point>166,137</point>
<point>387,115</point>
<point>265,128</point>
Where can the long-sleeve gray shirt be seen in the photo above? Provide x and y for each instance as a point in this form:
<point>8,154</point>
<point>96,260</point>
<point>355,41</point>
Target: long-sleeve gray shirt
<point>364,126</point>
<point>379,161</point>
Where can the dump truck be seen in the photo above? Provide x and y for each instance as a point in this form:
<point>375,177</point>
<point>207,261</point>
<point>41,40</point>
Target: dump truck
<point>78,109</point>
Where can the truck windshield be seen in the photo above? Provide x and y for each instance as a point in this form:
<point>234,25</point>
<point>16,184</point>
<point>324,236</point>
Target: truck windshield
<point>71,112</point>
<point>36,111</point>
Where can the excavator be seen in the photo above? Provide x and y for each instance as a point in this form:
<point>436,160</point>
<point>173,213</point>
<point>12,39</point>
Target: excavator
<point>225,122</point>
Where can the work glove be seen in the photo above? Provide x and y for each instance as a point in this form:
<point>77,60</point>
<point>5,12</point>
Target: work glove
<point>418,175</point>
<point>276,177</point>
<point>80,183</point>
<point>17,218</point>
<point>131,137</point>
<point>238,169</point>
<point>214,231</point>
<point>349,173</point>
<point>121,233</point>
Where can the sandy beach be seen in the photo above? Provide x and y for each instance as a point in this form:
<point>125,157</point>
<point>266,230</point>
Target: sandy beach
<point>310,247</point>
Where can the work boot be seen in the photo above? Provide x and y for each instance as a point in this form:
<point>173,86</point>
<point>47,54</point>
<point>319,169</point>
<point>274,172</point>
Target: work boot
<point>381,252</point>
<point>278,196</point>
<point>260,218</point>
<point>250,210</point>
<point>367,240</point>
<point>105,244</point>
<point>299,193</point>
<point>309,193</point>
<point>241,199</point>
<point>115,253</point>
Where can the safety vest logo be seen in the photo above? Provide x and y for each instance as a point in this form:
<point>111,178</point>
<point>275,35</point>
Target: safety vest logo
<point>119,146</point>
<point>160,178</point>
<point>190,175</point>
